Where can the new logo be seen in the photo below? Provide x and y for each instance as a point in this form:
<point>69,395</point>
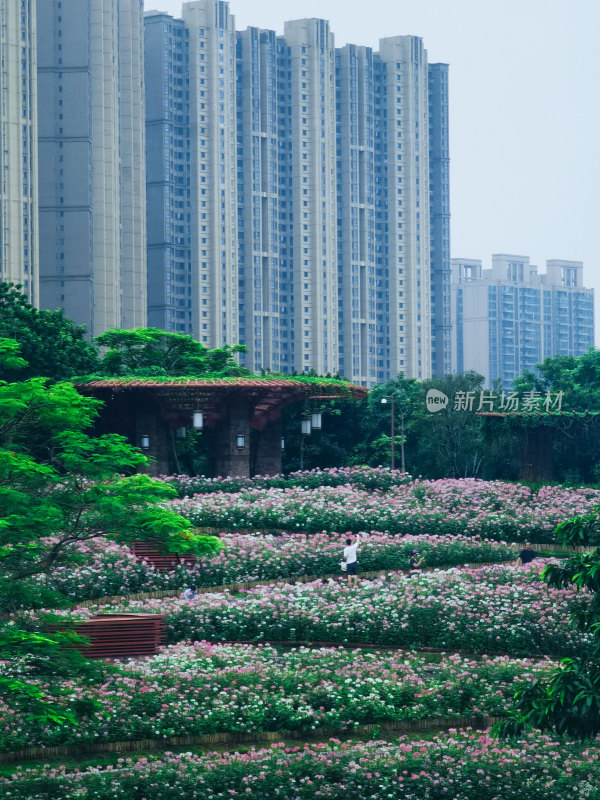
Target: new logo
<point>436,400</point>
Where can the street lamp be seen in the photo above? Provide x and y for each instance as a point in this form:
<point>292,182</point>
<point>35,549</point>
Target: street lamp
<point>305,427</point>
<point>389,399</point>
<point>384,401</point>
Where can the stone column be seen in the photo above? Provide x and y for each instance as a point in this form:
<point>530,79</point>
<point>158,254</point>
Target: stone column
<point>228,458</point>
<point>268,451</point>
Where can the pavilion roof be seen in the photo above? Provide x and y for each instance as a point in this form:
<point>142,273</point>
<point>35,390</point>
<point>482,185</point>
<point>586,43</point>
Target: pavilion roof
<point>268,396</point>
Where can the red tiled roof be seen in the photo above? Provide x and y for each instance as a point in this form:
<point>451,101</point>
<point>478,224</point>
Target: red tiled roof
<point>268,396</point>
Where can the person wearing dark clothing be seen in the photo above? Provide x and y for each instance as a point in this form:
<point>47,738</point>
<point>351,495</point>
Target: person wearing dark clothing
<point>526,556</point>
<point>415,562</point>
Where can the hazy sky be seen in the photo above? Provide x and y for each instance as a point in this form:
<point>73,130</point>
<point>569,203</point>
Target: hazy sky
<point>524,112</point>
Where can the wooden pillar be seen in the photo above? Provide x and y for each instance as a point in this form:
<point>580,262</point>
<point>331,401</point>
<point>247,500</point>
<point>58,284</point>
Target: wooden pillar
<point>268,450</point>
<point>148,423</point>
<point>536,453</point>
<point>229,459</point>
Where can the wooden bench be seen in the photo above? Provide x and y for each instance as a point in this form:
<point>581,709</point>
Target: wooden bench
<point>163,562</point>
<point>121,635</point>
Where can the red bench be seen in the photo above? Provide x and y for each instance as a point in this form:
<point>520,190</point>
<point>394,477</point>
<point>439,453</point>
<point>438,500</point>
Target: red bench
<point>163,562</point>
<point>121,635</point>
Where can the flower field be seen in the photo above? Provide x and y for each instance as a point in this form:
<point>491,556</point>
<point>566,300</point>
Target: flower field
<point>203,688</point>
<point>469,507</point>
<point>237,661</point>
<point>463,765</point>
<point>488,610</point>
<point>111,569</point>
<point>366,478</point>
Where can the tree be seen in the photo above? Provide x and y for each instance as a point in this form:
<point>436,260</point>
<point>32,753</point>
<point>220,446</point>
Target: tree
<point>60,487</point>
<point>450,442</point>
<point>334,445</point>
<point>51,344</point>
<point>568,702</point>
<point>152,352</point>
<point>56,481</point>
<point>575,440</point>
<point>377,446</point>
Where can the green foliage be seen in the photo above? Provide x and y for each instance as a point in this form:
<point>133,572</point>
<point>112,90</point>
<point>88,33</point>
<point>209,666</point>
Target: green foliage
<point>51,344</point>
<point>32,661</point>
<point>577,443</point>
<point>150,352</point>
<point>77,492</point>
<point>450,443</point>
<point>569,701</point>
<point>59,486</point>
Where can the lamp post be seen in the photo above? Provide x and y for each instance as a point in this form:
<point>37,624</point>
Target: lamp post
<point>384,401</point>
<point>402,444</point>
<point>305,427</point>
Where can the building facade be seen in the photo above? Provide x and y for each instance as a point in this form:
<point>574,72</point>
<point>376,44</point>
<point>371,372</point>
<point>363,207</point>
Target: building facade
<point>263,281</point>
<point>402,200</point>
<point>509,318</point>
<point>168,193</point>
<point>439,209</point>
<point>19,262</point>
<point>357,269</point>
<point>302,173</point>
<point>92,161</point>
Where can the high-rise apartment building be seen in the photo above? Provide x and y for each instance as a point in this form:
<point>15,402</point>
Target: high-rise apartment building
<point>361,291</point>
<point>289,194</point>
<point>439,210</point>
<point>168,167</point>
<point>213,181</point>
<point>18,145</point>
<point>402,200</point>
<point>510,318</point>
<point>92,161</point>
<point>264,306</point>
<point>312,190</point>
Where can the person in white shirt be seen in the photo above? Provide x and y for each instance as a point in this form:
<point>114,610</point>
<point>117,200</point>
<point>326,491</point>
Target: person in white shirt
<point>351,559</point>
<point>190,593</point>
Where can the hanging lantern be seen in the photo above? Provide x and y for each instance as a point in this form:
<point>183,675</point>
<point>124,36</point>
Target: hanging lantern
<point>306,427</point>
<point>315,420</point>
<point>198,420</point>
<point>240,442</point>
<point>145,439</point>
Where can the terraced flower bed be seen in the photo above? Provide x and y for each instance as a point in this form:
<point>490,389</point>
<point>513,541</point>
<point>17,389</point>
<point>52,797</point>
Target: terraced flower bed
<point>366,478</point>
<point>202,688</point>
<point>503,625</point>
<point>111,569</point>
<point>489,509</point>
<point>489,610</point>
<point>465,765</point>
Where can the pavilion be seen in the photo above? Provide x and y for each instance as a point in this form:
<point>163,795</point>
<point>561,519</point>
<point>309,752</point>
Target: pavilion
<point>151,412</point>
<point>537,433</point>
